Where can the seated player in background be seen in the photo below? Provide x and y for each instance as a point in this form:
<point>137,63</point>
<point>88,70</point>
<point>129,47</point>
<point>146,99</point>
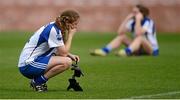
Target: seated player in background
<point>46,54</point>
<point>143,35</point>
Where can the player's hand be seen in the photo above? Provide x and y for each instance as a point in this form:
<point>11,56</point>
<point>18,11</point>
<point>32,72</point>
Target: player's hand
<point>131,15</point>
<point>73,28</point>
<point>139,16</point>
<point>72,31</point>
<point>74,57</point>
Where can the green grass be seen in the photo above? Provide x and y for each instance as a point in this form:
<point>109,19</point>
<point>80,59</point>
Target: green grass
<point>105,77</point>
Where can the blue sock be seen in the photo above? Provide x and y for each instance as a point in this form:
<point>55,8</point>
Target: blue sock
<point>155,52</point>
<point>40,80</point>
<point>128,51</point>
<point>107,49</point>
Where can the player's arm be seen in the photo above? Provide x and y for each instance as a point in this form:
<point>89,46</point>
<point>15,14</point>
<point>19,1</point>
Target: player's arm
<point>122,28</point>
<point>56,42</point>
<point>139,30</point>
<point>71,33</point>
<point>62,51</point>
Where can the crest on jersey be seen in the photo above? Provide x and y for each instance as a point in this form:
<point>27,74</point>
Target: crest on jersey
<point>58,37</point>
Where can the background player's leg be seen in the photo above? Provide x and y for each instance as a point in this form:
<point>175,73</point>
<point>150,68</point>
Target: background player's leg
<point>115,43</point>
<point>137,43</point>
<point>147,46</point>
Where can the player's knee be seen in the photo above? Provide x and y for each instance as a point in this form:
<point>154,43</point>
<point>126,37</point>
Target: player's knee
<point>68,63</point>
<point>139,38</point>
<point>121,37</point>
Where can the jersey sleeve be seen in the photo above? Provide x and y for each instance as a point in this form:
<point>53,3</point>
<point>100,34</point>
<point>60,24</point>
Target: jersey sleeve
<point>55,39</point>
<point>146,25</point>
<point>129,24</point>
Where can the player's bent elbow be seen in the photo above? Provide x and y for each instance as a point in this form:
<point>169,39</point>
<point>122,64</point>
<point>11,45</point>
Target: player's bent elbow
<point>120,32</point>
<point>63,54</point>
<point>139,33</point>
<point>62,51</point>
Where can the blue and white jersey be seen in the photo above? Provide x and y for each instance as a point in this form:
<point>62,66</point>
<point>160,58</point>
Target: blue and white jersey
<point>150,33</point>
<point>42,43</point>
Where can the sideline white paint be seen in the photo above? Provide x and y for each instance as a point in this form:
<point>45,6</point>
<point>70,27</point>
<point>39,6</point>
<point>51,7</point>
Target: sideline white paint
<point>155,95</point>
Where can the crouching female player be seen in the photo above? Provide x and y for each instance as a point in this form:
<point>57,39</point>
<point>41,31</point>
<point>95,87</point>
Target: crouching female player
<point>46,54</point>
<point>143,32</point>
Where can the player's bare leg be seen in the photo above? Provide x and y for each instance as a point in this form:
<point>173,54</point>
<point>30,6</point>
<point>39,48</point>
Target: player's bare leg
<point>115,43</point>
<point>57,65</point>
<point>120,39</point>
<point>141,41</point>
<point>137,43</point>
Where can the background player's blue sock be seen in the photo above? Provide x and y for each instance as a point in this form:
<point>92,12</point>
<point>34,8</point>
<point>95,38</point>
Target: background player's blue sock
<point>40,80</point>
<point>155,52</point>
<point>128,51</point>
<point>107,49</point>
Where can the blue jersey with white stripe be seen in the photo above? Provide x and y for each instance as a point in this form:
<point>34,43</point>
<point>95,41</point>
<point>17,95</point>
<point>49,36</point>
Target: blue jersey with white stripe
<point>148,25</point>
<point>43,43</point>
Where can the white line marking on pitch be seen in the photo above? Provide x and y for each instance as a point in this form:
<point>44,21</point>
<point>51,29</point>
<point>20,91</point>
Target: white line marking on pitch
<point>155,95</point>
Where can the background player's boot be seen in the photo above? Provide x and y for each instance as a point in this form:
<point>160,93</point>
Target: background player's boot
<point>98,52</point>
<point>121,53</point>
<point>74,85</point>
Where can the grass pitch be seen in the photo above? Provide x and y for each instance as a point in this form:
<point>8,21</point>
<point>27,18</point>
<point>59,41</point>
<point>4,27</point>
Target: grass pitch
<point>105,77</point>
